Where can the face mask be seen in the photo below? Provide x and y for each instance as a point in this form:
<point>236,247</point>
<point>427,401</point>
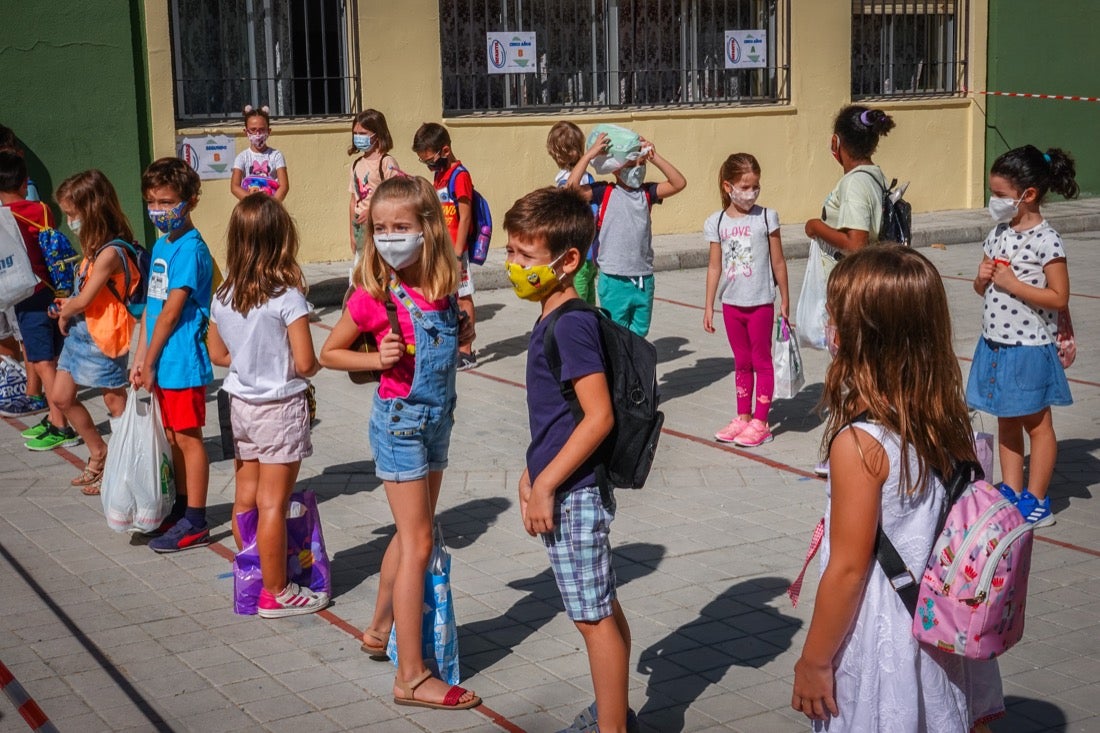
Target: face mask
<point>361,142</point>
<point>438,165</point>
<point>74,225</point>
<point>633,177</point>
<point>834,148</point>
<point>1002,208</point>
<point>830,340</point>
<point>399,250</point>
<point>744,199</point>
<point>533,282</point>
<point>257,139</point>
<point>169,220</point>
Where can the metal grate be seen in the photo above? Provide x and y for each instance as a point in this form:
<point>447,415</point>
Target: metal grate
<point>611,54</point>
<point>909,48</point>
<point>299,57</point>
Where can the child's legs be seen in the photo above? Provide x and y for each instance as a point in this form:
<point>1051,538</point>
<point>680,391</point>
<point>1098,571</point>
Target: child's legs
<point>607,643</point>
<point>276,481</point>
<point>247,475</point>
<point>642,313</point>
<point>760,338</point>
<point>1044,451</point>
<point>34,382</point>
<point>64,396</point>
<point>737,332</point>
<point>42,342</point>
<point>1010,448</point>
<point>10,347</point>
<point>115,401</point>
<point>466,305</point>
<point>585,281</point>
<point>466,297</point>
<point>410,502</point>
<point>615,297</point>
<point>46,371</point>
<point>192,469</point>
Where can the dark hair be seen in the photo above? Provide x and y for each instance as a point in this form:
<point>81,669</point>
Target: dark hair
<point>375,121</point>
<point>558,216</point>
<point>13,171</point>
<point>859,129</point>
<point>430,136</point>
<point>735,166</point>
<point>174,173</point>
<point>250,112</point>
<point>1026,167</point>
<point>7,138</point>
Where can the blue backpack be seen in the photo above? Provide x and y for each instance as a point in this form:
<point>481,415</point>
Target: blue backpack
<point>135,260</point>
<point>59,254</point>
<point>481,228</point>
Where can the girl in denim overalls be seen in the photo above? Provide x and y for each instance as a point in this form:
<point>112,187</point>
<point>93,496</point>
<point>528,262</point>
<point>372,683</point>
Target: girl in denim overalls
<point>408,274</point>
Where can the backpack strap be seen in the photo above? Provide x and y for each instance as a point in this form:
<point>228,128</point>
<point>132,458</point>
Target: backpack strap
<point>126,250</point>
<point>609,188</point>
<point>45,225</point>
<point>876,180</point>
<point>451,181</point>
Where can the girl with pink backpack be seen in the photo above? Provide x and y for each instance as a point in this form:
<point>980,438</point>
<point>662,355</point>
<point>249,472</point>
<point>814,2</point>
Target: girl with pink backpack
<point>897,422</point>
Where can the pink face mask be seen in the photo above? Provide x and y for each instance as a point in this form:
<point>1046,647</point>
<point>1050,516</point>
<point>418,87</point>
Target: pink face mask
<point>830,340</point>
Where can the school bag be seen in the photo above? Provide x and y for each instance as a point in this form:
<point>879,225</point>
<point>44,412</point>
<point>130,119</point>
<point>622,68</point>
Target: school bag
<point>626,455</point>
<point>970,598</point>
<point>481,228</point>
<point>17,278</point>
<point>58,253</point>
<point>897,214</point>
<point>136,261</point>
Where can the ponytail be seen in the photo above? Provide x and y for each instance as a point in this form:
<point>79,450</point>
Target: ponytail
<point>1027,167</point>
<point>1063,173</point>
<point>859,129</point>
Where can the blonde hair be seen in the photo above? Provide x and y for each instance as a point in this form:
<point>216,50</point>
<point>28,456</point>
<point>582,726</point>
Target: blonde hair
<point>101,216</point>
<point>895,358</point>
<point>261,254</point>
<point>565,143</point>
<point>439,266</point>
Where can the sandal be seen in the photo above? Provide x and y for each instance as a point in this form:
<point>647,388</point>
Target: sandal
<point>89,475</point>
<point>377,651</point>
<point>450,700</point>
<point>90,489</point>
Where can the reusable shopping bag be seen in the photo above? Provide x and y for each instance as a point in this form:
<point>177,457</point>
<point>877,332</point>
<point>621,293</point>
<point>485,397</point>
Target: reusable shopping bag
<point>17,279</point>
<point>811,315</point>
<point>307,562</point>
<point>138,485</point>
<point>439,630</point>
<point>789,378</point>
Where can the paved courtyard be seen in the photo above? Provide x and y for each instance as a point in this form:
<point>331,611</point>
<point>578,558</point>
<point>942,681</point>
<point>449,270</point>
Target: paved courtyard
<point>106,635</point>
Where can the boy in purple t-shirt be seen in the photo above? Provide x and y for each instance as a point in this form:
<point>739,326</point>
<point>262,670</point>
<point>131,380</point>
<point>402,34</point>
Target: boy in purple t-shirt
<point>549,231</point>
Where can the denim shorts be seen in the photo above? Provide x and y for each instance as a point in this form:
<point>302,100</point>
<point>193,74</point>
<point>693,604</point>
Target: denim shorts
<point>580,553</point>
<point>89,366</point>
<point>42,338</point>
<point>1014,381</point>
<point>409,439</point>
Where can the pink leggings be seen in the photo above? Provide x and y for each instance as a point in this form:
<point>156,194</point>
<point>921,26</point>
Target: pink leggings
<point>749,331</point>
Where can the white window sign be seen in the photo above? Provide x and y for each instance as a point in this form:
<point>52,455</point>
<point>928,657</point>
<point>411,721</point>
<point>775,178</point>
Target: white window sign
<point>746,49</point>
<point>211,155</point>
<point>511,52</point>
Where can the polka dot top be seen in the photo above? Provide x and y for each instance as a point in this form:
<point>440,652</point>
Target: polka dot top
<point>1005,318</point>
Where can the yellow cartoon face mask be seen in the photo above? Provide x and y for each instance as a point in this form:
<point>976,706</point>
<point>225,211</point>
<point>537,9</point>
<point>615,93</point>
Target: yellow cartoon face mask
<point>535,281</point>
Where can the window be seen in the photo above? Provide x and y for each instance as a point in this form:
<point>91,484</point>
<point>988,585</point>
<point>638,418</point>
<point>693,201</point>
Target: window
<point>612,54</point>
<point>908,48</point>
<point>299,57</point>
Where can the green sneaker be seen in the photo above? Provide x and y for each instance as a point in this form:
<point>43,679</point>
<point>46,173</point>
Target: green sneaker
<point>36,430</point>
<point>53,438</point>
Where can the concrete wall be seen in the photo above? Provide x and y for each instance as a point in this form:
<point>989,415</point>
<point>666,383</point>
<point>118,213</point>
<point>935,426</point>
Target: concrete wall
<point>937,145</point>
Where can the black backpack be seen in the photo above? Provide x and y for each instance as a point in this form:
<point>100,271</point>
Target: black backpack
<point>627,453</point>
<point>897,214</point>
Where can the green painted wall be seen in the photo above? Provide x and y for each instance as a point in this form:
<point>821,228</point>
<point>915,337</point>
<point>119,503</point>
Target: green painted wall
<point>73,88</point>
<point>1045,48</point>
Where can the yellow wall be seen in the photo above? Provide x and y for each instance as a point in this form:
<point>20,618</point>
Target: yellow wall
<point>937,144</point>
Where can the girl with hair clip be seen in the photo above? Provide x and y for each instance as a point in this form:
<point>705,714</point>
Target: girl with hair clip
<point>259,167</point>
<point>896,425</point>
<point>259,328</point>
<point>408,268</point>
<point>1017,374</point>
<point>95,320</point>
<point>852,213</point>
<point>370,138</point>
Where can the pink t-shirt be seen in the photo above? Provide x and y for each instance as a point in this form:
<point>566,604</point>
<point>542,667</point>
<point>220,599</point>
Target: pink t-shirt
<point>370,316</point>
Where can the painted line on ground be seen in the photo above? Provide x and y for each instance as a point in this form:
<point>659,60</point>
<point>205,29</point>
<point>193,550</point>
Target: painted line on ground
<point>970,280</point>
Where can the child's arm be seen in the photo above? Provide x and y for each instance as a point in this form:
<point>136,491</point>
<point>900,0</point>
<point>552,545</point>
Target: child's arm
<point>219,352</point>
<point>1055,296</point>
<point>284,184</point>
<point>595,400</point>
<point>577,174</point>
<point>146,374</point>
<point>984,276</point>
<point>107,263</point>
<point>139,352</point>
<point>675,181</point>
<point>714,271</point>
<point>848,240</point>
<point>301,348</point>
<point>235,184</point>
<point>779,271</point>
<point>336,353</point>
<point>858,469</point>
<point>352,221</point>
<point>465,221</point>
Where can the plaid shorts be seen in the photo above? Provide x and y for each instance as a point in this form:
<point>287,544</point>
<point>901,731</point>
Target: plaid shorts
<point>580,553</point>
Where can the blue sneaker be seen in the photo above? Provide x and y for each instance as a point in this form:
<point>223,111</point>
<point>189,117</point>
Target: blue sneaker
<point>1008,492</point>
<point>1036,512</point>
<point>182,536</point>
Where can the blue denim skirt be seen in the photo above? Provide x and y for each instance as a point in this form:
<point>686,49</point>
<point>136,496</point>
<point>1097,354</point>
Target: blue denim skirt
<point>1014,381</point>
<point>89,366</point>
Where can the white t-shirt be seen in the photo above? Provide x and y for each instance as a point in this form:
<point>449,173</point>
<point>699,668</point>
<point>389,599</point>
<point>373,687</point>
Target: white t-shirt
<point>1005,318</point>
<point>261,367</point>
<point>262,165</point>
<point>746,279</point>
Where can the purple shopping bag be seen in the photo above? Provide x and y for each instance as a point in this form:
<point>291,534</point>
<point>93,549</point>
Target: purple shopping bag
<point>307,562</point>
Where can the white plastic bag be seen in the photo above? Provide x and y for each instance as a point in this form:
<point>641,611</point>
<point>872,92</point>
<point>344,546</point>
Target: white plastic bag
<point>789,378</point>
<point>810,314</point>
<point>624,145</point>
<point>138,485</point>
<point>17,279</point>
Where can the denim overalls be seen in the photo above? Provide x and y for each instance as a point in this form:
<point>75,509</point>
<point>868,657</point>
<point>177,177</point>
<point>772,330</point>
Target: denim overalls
<point>410,436</point>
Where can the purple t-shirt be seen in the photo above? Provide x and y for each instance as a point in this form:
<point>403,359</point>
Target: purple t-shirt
<point>578,337</point>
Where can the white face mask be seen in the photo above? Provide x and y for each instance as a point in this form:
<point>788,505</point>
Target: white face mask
<point>1002,208</point>
<point>633,177</point>
<point>399,250</point>
<point>74,226</point>
<point>744,199</point>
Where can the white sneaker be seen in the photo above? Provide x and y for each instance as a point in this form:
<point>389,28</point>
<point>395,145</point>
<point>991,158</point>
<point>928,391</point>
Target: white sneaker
<point>293,601</point>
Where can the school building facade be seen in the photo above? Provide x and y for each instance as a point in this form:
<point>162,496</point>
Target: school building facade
<point>115,84</point>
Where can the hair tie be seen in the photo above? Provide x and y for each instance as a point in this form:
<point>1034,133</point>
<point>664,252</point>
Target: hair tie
<point>866,117</point>
<point>1046,157</point>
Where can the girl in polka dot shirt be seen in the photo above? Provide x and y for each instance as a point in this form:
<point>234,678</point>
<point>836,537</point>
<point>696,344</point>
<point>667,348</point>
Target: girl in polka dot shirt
<point>1016,374</point>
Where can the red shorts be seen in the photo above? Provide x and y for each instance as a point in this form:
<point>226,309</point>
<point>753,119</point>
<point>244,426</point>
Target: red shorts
<point>182,409</point>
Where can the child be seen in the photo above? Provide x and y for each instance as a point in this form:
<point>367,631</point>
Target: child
<point>370,137</point>
<point>548,233</point>
<point>258,167</point>
<point>746,265</point>
<point>565,143</point>
<point>408,266</point>
<point>625,258</point>
<point>41,336</point>
<point>171,360</point>
<point>1024,279</point>
<point>259,328</point>
<point>896,424</point>
<point>432,145</point>
<point>96,323</point>
<point>8,141</point>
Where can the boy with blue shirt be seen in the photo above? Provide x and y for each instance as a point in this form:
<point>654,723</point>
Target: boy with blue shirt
<point>549,231</point>
<point>172,361</point>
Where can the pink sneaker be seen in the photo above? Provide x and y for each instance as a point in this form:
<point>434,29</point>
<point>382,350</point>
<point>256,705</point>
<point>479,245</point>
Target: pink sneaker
<point>755,434</point>
<point>294,600</point>
<point>731,431</point>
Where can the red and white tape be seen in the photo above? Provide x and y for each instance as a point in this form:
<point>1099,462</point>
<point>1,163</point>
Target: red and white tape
<point>1030,95</point>
<point>24,703</point>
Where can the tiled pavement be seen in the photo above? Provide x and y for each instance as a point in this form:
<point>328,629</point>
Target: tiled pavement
<point>106,635</point>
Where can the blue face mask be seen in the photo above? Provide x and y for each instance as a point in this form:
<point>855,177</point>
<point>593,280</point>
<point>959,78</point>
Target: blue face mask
<point>362,142</point>
<point>633,177</point>
<point>169,220</point>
